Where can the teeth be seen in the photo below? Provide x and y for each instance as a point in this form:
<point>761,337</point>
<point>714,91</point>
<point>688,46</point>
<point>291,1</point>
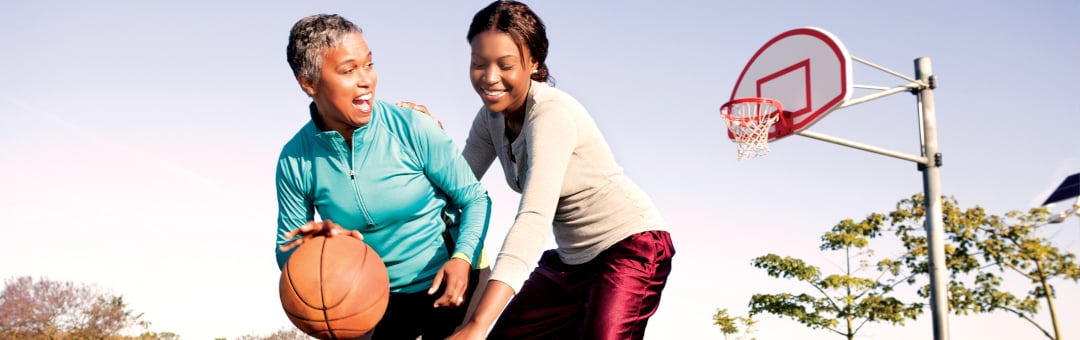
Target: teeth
<point>365,97</point>
<point>494,93</point>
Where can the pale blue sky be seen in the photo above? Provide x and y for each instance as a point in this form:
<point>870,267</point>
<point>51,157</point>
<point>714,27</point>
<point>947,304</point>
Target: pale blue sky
<point>139,138</point>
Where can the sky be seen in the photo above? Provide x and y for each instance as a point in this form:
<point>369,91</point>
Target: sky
<point>138,139</point>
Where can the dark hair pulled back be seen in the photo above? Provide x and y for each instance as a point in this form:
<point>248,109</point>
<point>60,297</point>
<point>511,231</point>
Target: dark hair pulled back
<point>523,26</point>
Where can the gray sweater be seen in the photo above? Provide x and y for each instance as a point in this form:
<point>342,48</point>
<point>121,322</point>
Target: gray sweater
<point>568,179</point>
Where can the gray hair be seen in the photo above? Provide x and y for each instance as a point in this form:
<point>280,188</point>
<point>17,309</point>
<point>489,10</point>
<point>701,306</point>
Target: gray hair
<point>311,37</point>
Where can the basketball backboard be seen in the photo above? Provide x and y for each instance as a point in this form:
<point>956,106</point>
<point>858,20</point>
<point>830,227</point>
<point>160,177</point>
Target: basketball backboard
<point>1069,188</point>
<point>806,69</point>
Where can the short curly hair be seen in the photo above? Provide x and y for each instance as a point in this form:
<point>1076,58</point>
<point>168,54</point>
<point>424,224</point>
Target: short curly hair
<point>311,37</point>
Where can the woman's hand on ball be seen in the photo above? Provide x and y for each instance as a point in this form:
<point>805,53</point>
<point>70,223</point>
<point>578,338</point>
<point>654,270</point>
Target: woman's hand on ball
<point>333,229</point>
<point>322,228</point>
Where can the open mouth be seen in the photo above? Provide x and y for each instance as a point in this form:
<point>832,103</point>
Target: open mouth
<point>363,103</point>
<point>492,95</point>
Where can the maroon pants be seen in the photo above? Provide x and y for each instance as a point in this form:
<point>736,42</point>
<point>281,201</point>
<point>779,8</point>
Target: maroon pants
<point>610,297</point>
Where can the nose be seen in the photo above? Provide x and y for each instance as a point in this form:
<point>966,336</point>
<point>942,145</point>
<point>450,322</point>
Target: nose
<point>364,78</point>
<point>491,75</point>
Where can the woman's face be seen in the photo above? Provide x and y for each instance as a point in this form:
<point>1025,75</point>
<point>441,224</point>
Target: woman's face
<point>346,87</point>
<point>499,72</point>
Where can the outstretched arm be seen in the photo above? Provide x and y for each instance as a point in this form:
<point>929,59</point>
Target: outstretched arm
<point>449,172</point>
<point>496,296</point>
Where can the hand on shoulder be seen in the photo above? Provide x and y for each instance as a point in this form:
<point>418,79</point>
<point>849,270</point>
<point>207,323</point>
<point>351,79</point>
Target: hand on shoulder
<point>421,108</point>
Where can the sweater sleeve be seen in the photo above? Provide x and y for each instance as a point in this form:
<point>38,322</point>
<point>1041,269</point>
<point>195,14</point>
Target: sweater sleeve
<point>550,137</point>
<point>479,146</point>
<point>294,207</point>
<point>448,171</point>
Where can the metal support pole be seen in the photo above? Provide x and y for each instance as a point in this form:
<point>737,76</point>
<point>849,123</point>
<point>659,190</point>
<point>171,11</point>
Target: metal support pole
<point>861,146</point>
<point>935,231</point>
<point>883,93</point>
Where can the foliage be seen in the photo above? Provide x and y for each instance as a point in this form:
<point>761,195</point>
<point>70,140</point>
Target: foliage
<point>844,297</point>
<point>147,334</point>
<point>729,325</point>
<point>285,333</point>
<point>47,309</point>
<point>980,249</point>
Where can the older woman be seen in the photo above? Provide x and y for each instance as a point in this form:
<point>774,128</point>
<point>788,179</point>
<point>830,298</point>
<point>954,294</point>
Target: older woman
<point>373,169</point>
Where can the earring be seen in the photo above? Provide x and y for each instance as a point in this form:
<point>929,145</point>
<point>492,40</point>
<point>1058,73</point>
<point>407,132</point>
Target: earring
<point>535,71</point>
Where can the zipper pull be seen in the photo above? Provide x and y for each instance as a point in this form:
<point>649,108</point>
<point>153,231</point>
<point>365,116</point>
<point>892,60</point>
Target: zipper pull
<point>352,175</point>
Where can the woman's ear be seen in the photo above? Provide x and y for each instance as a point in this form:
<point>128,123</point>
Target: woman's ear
<point>307,85</point>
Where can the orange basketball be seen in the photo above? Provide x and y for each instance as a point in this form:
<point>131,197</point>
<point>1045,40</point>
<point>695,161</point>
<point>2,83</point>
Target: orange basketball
<point>334,288</point>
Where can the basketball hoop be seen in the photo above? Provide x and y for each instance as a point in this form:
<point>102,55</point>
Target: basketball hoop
<point>749,121</point>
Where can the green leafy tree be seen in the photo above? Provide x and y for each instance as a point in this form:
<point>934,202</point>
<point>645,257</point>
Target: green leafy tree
<point>729,325</point>
<point>845,302</point>
<point>980,250</point>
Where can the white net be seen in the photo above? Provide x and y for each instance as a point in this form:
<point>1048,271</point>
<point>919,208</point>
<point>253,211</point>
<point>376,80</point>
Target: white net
<point>749,120</point>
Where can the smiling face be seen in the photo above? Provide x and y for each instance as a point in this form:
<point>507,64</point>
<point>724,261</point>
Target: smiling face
<point>345,90</point>
<point>500,72</point>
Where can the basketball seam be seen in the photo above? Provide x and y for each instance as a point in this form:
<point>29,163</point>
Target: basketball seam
<point>367,252</point>
<point>296,291</point>
<point>322,292</point>
<point>334,333</point>
<point>373,302</point>
<point>363,263</point>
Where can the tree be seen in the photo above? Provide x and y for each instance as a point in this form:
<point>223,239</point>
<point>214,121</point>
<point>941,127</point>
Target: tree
<point>982,247</point>
<point>845,297</point>
<point>285,333</point>
<point>729,325</point>
<point>147,334</point>
<point>46,309</point>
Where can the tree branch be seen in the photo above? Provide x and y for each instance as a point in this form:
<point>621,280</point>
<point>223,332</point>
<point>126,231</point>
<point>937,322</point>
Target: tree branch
<point>863,323</point>
<point>1033,323</point>
<point>826,295</point>
<point>836,331</point>
<point>1021,272</point>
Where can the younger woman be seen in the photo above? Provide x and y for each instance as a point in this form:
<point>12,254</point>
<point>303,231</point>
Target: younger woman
<point>614,253</point>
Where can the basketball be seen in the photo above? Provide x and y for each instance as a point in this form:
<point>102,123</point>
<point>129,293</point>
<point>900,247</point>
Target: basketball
<point>334,287</point>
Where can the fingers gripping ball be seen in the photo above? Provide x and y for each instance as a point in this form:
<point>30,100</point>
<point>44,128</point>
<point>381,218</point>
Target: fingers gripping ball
<point>334,288</point>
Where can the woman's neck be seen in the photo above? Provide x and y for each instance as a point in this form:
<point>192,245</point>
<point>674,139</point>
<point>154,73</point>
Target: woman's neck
<point>345,131</point>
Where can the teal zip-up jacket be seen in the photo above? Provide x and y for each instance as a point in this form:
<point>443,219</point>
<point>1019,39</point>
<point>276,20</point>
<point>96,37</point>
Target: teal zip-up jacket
<point>402,172</point>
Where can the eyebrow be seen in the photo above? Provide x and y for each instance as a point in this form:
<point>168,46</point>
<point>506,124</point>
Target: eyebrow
<point>346,61</point>
<point>500,57</point>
